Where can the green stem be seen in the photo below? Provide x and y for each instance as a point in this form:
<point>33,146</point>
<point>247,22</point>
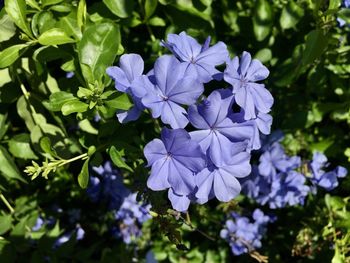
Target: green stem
<point>2,197</point>
<point>82,156</point>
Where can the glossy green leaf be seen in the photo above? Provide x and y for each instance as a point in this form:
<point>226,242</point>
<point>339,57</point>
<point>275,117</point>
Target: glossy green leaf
<point>7,166</point>
<point>121,102</point>
<point>19,147</point>
<point>334,4</point>
<point>58,99</point>
<point>5,223</point>
<point>55,36</point>
<point>7,27</point>
<point>46,146</point>
<point>73,107</point>
<point>9,55</point>
<point>150,7</point>
<point>344,14</point>
<point>121,8</point>
<point>50,2</point>
<point>81,14</point>
<point>98,48</point>
<point>117,159</point>
<point>17,10</point>
<point>262,21</point>
<point>156,21</point>
<point>316,42</point>
<point>291,14</point>
<point>83,177</point>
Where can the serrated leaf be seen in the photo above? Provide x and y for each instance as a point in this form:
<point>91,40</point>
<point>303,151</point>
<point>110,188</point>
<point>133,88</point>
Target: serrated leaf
<point>74,106</point>
<point>54,36</point>
<point>117,159</point>
<point>83,177</point>
<point>9,55</point>
<point>98,48</point>
<point>17,10</point>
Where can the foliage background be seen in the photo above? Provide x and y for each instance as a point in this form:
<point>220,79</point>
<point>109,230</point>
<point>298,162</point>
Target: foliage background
<point>49,118</point>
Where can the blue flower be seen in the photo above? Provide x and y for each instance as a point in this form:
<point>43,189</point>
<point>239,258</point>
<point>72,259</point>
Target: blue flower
<point>221,181</point>
<point>132,215</point>
<point>244,235</point>
<point>249,95</point>
<point>38,224</point>
<point>167,90</point>
<point>327,180</point>
<point>130,68</point>
<point>174,160</point>
<point>199,60</point>
<point>215,128</point>
<point>107,186</point>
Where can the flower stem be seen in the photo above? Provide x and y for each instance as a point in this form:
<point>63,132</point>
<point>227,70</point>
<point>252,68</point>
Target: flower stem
<point>3,198</point>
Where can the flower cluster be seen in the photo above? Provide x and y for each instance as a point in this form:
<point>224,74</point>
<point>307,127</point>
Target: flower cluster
<point>244,235</point>
<point>277,179</point>
<point>106,187</point>
<point>132,214</point>
<point>205,162</point>
<point>319,177</point>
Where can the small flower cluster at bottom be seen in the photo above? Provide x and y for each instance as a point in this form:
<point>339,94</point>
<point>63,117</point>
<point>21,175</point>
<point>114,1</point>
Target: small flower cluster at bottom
<point>106,186</point>
<point>244,235</point>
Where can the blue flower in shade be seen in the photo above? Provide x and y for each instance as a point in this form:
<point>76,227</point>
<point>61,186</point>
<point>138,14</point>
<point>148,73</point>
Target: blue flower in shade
<point>327,180</point>
<point>79,235</point>
<point>252,97</point>
<point>107,186</point>
<point>167,90</point>
<point>130,68</point>
<point>274,159</point>
<point>174,160</point>
<point>221,181</point>
<point>38,224</point>
<point>132,215</point>
<point>346,4</point>
<point>215,129</point>
<point>243,234</point>
<point>288,189</point>
<point>199,60</point>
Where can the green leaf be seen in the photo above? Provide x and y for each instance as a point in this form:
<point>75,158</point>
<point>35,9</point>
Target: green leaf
<point>9,55</point>
<point>86,126</point>
<point>58,99</point>
<point>19,147</point>
<point>262,21</point>
<point>17,10</point>
<point>316,42</point>
<point>156,21</point>
<point>121,102</point>
<point>83,177</point>
<point>98,47</point>
<point>334,202</point>
<point>55,36</point>
<point>81,14</point>
<point>7,27</point>
<point>74,106</point>
<point>46,146</point>
<point>291,14</point>
<point>334,4</point>
<point>150,7</point>
<point>5,223</point>
<point>7,166</point>
<point>344,14</point>
<point>121,8</point>
<point>50,2</point>
<point>3,125</point>
<point>117,159</point>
